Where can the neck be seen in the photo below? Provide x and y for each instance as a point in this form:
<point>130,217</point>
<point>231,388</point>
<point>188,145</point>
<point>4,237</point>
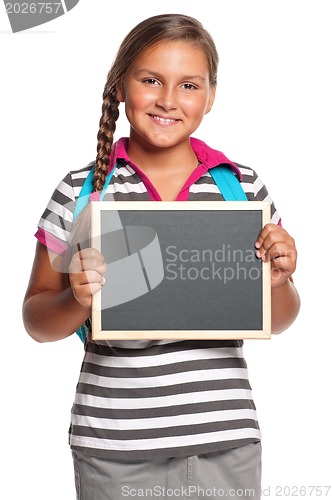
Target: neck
<point>147,157</point>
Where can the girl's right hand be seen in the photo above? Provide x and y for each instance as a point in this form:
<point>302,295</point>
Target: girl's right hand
<point>86,275</point>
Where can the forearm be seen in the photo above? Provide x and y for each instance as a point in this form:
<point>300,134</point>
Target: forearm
<point>285,306</point>
<point>49,316</point>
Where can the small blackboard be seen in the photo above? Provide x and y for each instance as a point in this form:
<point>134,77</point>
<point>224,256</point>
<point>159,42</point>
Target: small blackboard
<point>181,270</point>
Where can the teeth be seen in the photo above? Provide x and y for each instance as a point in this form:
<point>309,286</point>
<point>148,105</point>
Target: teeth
<point>164,120</point>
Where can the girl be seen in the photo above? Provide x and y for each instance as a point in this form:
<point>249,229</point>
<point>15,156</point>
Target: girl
<point>156,418</point>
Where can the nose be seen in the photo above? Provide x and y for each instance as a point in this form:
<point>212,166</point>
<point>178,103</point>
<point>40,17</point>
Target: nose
<point>167,98</point>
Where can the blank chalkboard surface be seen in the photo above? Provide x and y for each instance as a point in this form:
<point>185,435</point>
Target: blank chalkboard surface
<point>181,270</point>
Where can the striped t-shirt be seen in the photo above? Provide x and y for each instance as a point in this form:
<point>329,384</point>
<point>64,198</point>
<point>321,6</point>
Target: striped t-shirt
<point>143,399</point>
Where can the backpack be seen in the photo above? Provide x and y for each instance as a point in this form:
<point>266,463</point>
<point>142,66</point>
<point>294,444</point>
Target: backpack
<point>227,183</point>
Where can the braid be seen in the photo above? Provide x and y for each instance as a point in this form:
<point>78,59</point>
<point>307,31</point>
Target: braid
<point>107,124</point>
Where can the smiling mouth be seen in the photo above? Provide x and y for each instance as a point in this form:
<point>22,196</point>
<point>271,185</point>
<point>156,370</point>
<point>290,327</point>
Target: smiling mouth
<point>166,121</point>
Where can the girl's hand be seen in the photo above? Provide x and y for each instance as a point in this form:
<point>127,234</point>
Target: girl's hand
<point>274,244</point>
<point>86,274</point>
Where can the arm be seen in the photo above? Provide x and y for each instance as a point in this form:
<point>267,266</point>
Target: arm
<point>274,244</point>
<point>56,303</point>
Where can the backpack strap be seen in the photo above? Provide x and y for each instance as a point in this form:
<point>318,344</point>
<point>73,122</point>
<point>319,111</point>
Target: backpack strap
<point>228,183</point>
<point>82,332</point>
<point>86,190</point>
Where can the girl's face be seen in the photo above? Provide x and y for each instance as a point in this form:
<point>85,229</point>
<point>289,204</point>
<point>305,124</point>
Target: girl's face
<point>166,93</point>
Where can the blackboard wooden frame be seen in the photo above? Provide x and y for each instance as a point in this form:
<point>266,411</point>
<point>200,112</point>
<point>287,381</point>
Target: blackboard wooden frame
<point>259,211</point>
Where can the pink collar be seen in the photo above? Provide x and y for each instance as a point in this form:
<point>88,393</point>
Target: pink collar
<point>207,156</point>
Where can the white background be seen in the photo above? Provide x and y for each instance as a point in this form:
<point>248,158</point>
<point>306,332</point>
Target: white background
<point>273,112</point>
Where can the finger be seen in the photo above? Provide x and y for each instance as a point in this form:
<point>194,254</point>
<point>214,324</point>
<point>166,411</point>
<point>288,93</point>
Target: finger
<point>89,252</point>
<point>267,229</point>
<point>276,241</point>
<point>87,262</point>
<point>95,277</point>
<point>87,277</point>
<point>92,264</point>
<point>94,288</point>
<point>84,293</point>
<point>284,264</point>
<point>91,255</point>
<point>278,275</point>
<point>277,250</point>
<point>273,233</point>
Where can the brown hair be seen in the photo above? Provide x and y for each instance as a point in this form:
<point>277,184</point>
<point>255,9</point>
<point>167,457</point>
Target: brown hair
<point>148,33</point>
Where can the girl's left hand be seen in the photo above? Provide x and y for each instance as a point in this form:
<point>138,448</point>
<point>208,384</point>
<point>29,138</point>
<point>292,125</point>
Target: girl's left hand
<point>274,244</point>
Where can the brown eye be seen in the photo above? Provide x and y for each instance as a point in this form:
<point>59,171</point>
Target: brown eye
<point>151,81</point>
<point>189,86</point>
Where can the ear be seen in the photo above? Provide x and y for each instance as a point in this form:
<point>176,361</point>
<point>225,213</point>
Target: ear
<point>211,99</point>
<point>119,92</point>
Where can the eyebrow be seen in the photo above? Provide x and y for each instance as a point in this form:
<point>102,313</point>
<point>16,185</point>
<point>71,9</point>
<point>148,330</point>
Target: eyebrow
<point>158,75</point>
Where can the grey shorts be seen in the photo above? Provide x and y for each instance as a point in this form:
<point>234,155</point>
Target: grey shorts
<point>234,474</point>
